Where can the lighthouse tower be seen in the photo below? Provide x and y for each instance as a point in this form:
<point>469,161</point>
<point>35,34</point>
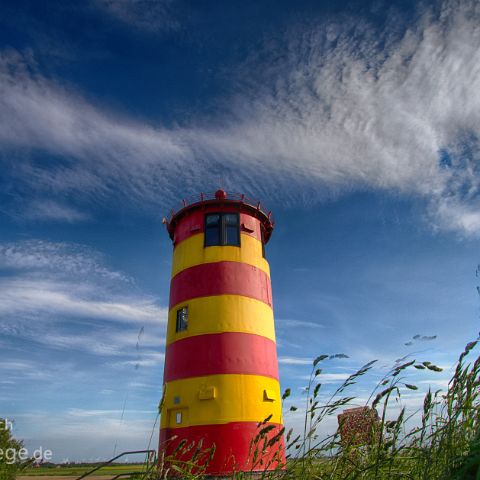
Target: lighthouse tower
<point>221,370</point>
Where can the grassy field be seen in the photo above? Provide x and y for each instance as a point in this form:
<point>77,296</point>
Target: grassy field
<point>77,470</point>
<point>444,444</point>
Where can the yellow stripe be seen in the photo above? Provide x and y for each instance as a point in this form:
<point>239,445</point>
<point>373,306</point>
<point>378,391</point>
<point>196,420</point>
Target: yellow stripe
<point>223,313</point>
<point>191,252</point>
<point>221,399</point>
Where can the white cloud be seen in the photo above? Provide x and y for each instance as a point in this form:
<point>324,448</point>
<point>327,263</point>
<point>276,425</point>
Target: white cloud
<point>289,323</point>
<point>53,211</point>
<point>351,113</point>
<point>149,359</point>
<point>39,297</point>
<point>21,370</point>
<point>15,365</point>
<point>105,342</point>
<point>90,433</point>
<point>52,289</point>
<point>77,326</point>
<point>449,213</point>
<point>294,361</point>
<point>439,383</point>
<point>99,149</point>
<point>329,377</point>
<point>81,412</point>
<point>58,258</point>
<point>145,15</point>
<point>337,112</point>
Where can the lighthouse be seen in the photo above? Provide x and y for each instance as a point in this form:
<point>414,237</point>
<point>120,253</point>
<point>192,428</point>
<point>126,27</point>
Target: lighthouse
<point>221,386</point>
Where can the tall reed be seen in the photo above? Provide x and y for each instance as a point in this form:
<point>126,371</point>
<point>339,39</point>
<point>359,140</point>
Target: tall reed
<point>444,444</point>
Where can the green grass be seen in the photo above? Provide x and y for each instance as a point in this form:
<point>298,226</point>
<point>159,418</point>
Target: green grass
<point>444,445</point>
<point>77,470</point>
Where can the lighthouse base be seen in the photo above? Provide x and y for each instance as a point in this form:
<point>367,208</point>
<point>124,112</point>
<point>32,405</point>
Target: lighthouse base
<point>226,448</point>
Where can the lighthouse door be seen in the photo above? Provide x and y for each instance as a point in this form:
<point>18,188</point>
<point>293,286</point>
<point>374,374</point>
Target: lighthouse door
<point>178,417</point>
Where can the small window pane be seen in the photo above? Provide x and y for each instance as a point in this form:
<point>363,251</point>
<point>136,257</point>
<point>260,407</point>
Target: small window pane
<point>231,219</point>
<point>182,319</point>
<point>232,235</point>
<point>212,236</point>
<point>212,219</point>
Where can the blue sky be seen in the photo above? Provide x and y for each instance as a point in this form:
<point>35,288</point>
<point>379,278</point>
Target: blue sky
<point>356,122</point>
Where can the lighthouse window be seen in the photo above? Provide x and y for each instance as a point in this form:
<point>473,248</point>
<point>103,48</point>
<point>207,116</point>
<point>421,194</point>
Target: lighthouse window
<point>231,230</point>
<point>222,229</point>
<point>212,230</point>
<point>178,418</point>
<point>182,319</point>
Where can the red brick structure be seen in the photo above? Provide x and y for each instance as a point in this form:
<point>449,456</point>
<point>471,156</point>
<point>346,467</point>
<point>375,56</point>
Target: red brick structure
<point>358,426</point>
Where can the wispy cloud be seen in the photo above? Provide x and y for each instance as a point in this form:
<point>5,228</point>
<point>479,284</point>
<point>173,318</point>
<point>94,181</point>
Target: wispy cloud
<point>147,360</point>
<point>75,324</point>
<point>329,377</point>
<point>338,112</point>
<point>88,430</point>
<point>439,383</point>
<point>370,111</point>
<point>15,365</point>
<point>53,211</point>
<point>99,150</point>
<point>290,323</point>
<point>61,286</point>
<point>108,342</point>
<point>294,361</point>
<point>37,297</point>
<point>80,412</point>
<point>57,258</point>
<point>145,15</point>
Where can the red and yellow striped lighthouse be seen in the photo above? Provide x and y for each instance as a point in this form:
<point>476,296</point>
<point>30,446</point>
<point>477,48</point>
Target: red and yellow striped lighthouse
<point>221,370</point>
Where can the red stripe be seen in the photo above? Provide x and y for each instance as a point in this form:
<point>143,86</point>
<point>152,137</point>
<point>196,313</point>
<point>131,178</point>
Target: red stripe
<point>232,442</point>
<point>221,353</point>
<point>220,278</point>
<point>194,223</point>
